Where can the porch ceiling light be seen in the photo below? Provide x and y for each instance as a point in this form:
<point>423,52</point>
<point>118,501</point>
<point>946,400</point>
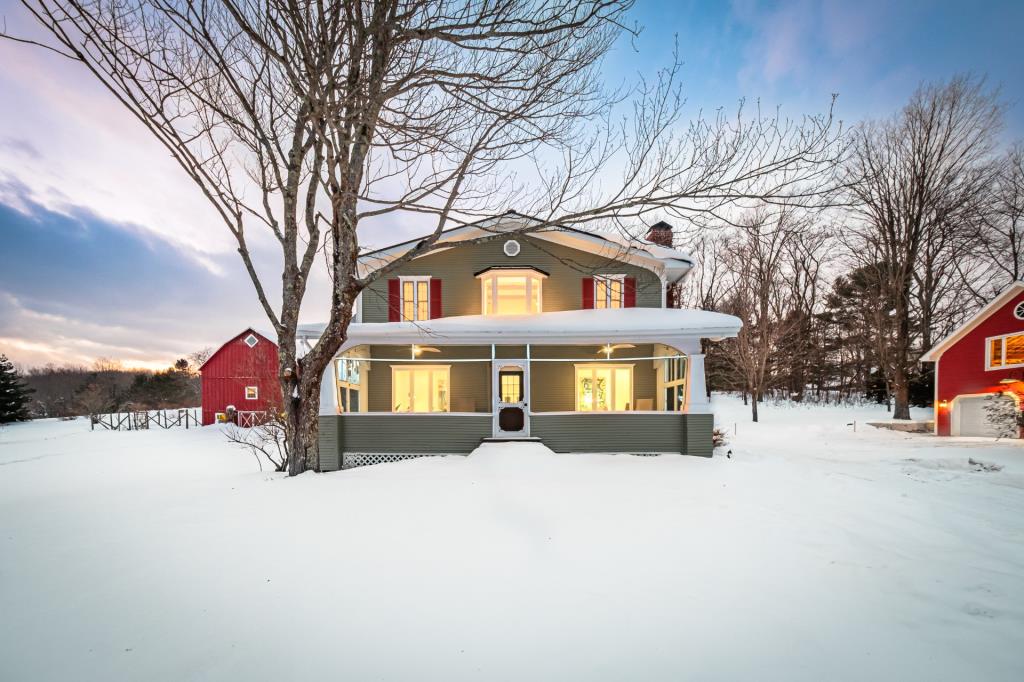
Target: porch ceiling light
<point>419,350</point>
<point>609,348</point>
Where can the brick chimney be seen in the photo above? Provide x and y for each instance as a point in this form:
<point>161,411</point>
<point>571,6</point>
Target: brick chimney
<point>660,234</point>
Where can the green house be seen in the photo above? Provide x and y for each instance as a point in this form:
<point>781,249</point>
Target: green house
<point>560,335</point>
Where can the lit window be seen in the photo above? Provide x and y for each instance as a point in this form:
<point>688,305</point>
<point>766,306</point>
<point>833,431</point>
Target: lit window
<point>348,385</point>
<point>252,393</point>
<point>251,340</point>
<point>512,291</point>
<point>674,383</point>
<point>609,291</point>
<point>604,388</point>
<point>1006,351</point>
<point>420,389</point>
<point>415,298</point>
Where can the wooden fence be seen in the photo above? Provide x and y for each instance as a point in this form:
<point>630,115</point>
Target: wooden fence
<point>146,419</point>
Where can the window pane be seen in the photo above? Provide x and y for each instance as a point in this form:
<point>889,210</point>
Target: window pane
<point>408,301</point>
<point>585,391</point>
<point>602,388</point>
<point>996,352</point>
<point>600,292</point>
<point>623,389</point>
<point>511,295</point>
<point>440,390</point>
<point>537,284</point>
<point>1015,350</point>
<point>422,301</point>
<point>615,293</point>
<point>488,296</point>
<point>420,391</point>
<point>402,391</point>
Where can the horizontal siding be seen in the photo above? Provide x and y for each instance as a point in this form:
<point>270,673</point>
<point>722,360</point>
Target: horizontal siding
<point>623,433</point>
<point>400,433</point>
<point>698,434</point>
<point>330,453</point>
<point>460,290</point>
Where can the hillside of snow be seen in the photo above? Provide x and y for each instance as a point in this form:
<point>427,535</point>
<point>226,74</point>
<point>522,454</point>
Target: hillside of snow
<point>814,552</point>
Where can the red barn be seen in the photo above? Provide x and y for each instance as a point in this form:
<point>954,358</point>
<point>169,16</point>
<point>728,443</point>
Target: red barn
<point>985,356</point>
<point>242,374</point>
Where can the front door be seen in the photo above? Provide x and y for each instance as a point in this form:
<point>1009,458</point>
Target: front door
<point>511,383</point>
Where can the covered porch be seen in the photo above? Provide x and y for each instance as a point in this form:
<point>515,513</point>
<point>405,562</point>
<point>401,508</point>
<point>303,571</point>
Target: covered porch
<point>629,380</point>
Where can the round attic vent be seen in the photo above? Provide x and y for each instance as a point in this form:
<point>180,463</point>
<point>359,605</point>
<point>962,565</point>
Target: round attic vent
<point>1018,312</point>
<point>512,248</point>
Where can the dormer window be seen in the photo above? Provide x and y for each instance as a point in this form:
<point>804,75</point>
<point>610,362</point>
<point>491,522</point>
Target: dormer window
<point>511,291</point>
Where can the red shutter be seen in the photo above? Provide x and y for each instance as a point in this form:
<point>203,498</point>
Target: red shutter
<point>435,298</point>
<point>394,300</point>
<point>588,292</point>
<point>629,292</point>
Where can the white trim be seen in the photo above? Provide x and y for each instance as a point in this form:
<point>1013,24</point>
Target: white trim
<point>989,367</point>
<point>512,245</point>
<point>256,392</point>
<point>998,302</point>
<point>255,340</point>
<point>500,364</point>
<point>430,397</point>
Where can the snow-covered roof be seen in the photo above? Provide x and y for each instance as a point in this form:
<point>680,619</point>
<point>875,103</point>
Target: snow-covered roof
<point>672,264</point>
<point>562,327</point>
<point>936,351</point>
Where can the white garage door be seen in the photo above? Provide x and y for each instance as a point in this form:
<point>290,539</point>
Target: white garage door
<point>970,418</point>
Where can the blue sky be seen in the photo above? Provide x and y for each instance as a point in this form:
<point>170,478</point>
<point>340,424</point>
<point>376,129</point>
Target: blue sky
<point>107,250</point>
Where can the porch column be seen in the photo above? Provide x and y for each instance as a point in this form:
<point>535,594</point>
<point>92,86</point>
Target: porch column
<point>328,392</point>
<point>696,389</point>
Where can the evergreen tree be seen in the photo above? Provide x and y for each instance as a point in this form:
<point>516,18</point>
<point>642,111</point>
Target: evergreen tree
<point>14,394</point>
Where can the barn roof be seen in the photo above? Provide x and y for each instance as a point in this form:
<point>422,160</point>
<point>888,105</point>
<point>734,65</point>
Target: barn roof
<point>247,330</point>
<point>963,330</point>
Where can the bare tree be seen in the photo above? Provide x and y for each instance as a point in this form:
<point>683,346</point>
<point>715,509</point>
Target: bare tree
<point>909,180</point>
<point>1001,238</point>
<point>309,120</point>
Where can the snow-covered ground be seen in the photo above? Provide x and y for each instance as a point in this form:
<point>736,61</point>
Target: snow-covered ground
<point>813,553</point>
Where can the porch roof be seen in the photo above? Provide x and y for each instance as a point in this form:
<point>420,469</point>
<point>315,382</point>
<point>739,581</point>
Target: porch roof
<point>562,327</point>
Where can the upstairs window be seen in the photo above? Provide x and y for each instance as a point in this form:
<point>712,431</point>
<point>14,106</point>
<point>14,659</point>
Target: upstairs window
<point>1005,351</point>
<point>609,291</point>
<point>512,291</point>
<point>415,298</point>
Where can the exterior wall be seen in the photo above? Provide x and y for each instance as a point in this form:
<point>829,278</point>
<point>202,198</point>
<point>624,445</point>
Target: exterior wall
<point>961,368</point>
<point>235,366</point>
<point>688,434</point>
<point>460,290</point>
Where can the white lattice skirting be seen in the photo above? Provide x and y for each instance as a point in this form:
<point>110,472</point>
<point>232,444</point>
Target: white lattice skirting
<point>363,459</point>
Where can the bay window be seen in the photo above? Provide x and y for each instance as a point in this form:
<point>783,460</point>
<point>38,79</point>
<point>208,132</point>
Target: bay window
<point>604,388</point>
<point>512,291</point>
<point>422,388</point>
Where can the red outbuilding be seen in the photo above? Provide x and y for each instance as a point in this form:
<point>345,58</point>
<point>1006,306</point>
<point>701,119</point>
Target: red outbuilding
<point>978,365</point>
<point>241,378</point>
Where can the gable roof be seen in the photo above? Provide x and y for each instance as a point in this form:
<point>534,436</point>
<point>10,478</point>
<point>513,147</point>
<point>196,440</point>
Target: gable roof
<point>244,332</point>
<point>663,261</point>
<point>995,304</point>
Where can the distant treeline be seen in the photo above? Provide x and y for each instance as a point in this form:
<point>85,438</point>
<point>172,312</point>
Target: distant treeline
<point>107,386</point>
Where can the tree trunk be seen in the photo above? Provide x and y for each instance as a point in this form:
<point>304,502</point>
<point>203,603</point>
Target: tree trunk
<point>753,405</point>
<point>302,417</point>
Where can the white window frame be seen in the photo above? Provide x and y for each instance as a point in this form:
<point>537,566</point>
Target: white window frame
<point>680,380</point>
<point>415,279</point>
<point>608,278</point>
<point>447,369</point>
<point>490,279</point>
<point>604,365</point>
<point>989,367</point>
<point>255,340</point>
<point>255,392</point>
<point>349,387</point>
